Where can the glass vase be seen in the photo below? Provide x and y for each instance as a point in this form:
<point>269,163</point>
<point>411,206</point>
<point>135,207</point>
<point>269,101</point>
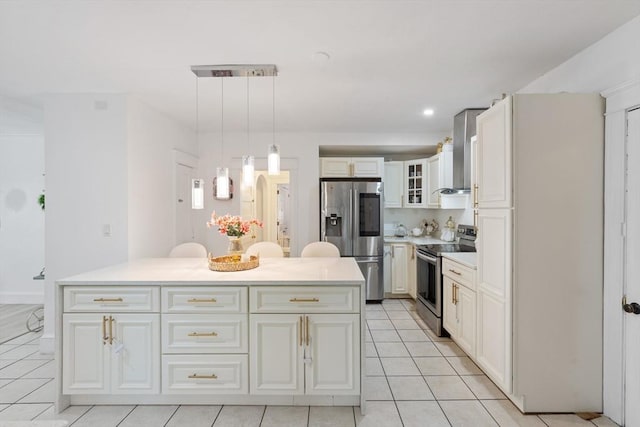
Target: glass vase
<point>235,246</point>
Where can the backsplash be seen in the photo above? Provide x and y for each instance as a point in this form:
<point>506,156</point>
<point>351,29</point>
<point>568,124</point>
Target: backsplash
<point>411,218</point>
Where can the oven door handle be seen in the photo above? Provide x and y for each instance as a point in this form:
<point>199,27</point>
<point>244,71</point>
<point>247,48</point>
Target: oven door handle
<point>426,258</point>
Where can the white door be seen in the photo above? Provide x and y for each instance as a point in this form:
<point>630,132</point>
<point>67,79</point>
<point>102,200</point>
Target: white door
<point>466,302</point>
<point>393,184</point>
<point>632,273</point>
<point>433,182</point>
<point>135,354</point>
<point>494,156</point>
<point>399,277</point>
<point>276,354</point>
<point>184,222</point>
<point>85,366</point>
<point>449,306</point>
<point>332,358</point>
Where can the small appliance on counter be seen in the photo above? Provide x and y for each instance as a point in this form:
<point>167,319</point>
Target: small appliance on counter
<point>429,275</point>
<point>401,231</point>
<point>449,231</point>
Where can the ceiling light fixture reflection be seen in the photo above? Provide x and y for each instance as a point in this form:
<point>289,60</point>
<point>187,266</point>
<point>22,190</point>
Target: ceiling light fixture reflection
<point>428,112</point>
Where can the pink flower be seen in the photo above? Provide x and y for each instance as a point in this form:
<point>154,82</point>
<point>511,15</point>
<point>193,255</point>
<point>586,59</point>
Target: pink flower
<point>232,225</point>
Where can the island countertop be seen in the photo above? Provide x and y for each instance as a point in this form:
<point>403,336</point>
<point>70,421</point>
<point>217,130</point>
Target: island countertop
<point>195,271</point>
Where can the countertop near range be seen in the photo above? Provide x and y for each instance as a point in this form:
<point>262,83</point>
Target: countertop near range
<point>414,240</point>
<point>195,271</point>
<point>468,259</point>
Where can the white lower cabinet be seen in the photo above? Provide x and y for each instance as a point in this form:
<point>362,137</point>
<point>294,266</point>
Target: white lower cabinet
<point>205,374</point>
<point>305,354</point>
<point>111,353</point>
<point>493,352</point>
<point>459,305</point>
<point>466,334</point>
<point>399,271</point>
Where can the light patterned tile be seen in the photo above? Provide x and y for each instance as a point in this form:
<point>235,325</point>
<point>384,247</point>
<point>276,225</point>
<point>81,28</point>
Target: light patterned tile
<point>239,416</point>
<point>48,370</point>
<point>6,347</point>
<point>379,324</point>
<point>564,420</point>
<point>405,324</point>
<point>410,388</point>
<point>482,387</point>
<point>370,350</point>
<point>285,416</point>
<point>507,415</point>
<point>20,368</point>
<point>467,413</point>
<point>44,394</point>
<point>391,349</point>
<point>422,348</point>
<point>194,416</point>
<point>19,388</point>
<point>464,366</point>
<point>376,315</point>
<point>422,414</point>
<point>4,382</point>
<point>148,416</point>
<point>433,337</point>
<point>379,414</point>
<point>434,366</point>
<point>70,415</point>
<point>395,366</point>
<point>327,416</point>
<point>449,348</point>
<point>408,335</point>
<point>449,388</point>
<point>19,352</point>
<point>103,416</point>
<point>603,421</point>
<point>367,336</point>
<point>373,367</point>
<point>385,336</point>
<point>377,388</point>
<point>27,338</point>
<point>399,315</point>
<point>23,411</point>
<point>373,307</point>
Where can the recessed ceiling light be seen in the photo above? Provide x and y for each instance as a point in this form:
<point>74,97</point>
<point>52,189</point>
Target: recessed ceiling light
<point>428,112</point>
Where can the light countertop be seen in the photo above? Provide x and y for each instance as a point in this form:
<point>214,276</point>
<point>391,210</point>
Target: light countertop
<point>195,271</point>
<point>468,259</point>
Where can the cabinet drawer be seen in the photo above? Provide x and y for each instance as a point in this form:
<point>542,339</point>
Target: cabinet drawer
<point>113,299</point>
<point>205,374</point>
<point>459,273</point>
<point>305,299</point>
<point>205,299</point>
<point>201,333</point>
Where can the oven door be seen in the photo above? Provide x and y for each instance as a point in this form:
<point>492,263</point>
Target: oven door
<point>429,278</point>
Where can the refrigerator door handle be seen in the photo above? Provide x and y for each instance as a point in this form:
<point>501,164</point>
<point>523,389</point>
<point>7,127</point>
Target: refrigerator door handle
<point>352,218</point>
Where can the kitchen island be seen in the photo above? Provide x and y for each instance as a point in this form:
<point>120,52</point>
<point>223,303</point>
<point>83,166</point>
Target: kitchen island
<point>170,331</point>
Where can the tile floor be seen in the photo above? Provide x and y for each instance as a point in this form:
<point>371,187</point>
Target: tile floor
<point>413,379</point>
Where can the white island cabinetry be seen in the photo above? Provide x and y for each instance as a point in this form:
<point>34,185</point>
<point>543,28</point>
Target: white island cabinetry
<point>170,331</point>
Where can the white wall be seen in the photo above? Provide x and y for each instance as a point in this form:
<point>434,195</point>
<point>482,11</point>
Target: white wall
<point>21,219</point>
<point>299,153</point>
<point>151,138</point>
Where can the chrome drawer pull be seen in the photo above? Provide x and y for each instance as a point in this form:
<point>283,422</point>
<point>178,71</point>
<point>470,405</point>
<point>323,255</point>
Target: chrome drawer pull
<point>206,377</point>
<point>197,300</point>
<point>304,300</point>
<point>455,272</point>
<point>203,334</point>
<point>108,300</point>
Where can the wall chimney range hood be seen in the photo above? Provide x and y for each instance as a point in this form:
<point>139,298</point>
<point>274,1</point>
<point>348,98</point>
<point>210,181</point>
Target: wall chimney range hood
<point>464,127</point>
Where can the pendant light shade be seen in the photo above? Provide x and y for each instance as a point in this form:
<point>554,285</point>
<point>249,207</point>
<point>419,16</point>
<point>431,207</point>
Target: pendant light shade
<point>248,170</point>
<point>197,194</point>
<point>223,185</point>
<point>273,159</point>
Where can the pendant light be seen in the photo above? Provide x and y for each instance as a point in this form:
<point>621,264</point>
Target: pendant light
<point>222,182</point>
<point>273,152</point>
<point>197,185</point>
<point>248,162</point>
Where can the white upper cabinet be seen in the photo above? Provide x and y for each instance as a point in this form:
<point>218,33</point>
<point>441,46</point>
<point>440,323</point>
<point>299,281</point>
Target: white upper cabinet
<point>415,179</point>
<point>494,156</point>
<point>351,167</point>
<point>393,184</point>
<point>440,175</point>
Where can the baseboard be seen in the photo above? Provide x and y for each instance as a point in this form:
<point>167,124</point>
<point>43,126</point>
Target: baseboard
<point>47,344</point>
<point>21,298</point>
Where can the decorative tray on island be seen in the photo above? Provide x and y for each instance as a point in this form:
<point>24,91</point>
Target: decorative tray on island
<point>233,262</point>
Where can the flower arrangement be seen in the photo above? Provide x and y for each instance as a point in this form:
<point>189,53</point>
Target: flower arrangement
<point>232,226</point>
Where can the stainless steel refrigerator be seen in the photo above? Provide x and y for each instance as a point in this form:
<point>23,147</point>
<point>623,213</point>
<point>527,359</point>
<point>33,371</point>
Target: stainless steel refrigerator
<point>351,218</point>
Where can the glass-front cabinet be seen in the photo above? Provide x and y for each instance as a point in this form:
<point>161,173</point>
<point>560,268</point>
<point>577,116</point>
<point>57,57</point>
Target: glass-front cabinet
<point>416,184</point>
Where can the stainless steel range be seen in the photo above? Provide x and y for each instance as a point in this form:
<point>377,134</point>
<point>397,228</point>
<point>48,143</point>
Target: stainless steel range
<point>429,275</point>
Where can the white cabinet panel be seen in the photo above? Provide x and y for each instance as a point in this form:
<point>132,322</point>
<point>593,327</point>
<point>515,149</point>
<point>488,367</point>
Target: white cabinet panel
<point>399,271</point>
<point>204,299</point>
<point>393,184</point>
<point>200,374</point>
<point>335,167</point>
<point>276,354</point>
<point>494,156</point>
<point>494,250</point>
<point>340,167</point>
<point>198,333</point>
<point>493,350</point>
<point>135,362</point>
<point>372,167</point>
<point>296,299</point>
<point>449,307</point>
<point>466,334</point>
<point>86,356</point>
<point>113,299</point>
<point>332,358</point>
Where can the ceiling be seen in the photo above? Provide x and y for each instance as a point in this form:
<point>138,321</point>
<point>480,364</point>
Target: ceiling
<point>389,60</point>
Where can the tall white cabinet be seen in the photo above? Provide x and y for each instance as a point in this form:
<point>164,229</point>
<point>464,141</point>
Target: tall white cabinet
<point>540,250</point>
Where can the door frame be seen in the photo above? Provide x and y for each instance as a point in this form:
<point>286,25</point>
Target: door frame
<point>619,100</point>
<point>184,159</point>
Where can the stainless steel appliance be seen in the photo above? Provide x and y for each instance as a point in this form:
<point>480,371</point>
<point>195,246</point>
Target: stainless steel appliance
<point>351,218</point>
<point>429,275</point>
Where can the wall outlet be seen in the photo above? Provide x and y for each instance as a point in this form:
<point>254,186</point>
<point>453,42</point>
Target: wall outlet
<point>106,230</point>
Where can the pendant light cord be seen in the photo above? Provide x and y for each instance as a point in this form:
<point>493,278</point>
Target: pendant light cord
<point>222,120</point>
<point>273,96</point>
<point>248,127</point>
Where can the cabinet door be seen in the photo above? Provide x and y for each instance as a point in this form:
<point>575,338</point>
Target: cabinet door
<point>399,272</point>
<point>415,184</point>
<point>135,354</point>
<point>85,366</point>
<point>494,156</point>
<point>335,167</point>
<point>466,334</point>
<point>276,354</point>
<point>493,246</point>
<point>433,167</point>
<point>332,357</point>
<point>449,306</point>
<point>371,167</point>
<point>393,184</point>
<point>493,350</point>
<point>412,272</point>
